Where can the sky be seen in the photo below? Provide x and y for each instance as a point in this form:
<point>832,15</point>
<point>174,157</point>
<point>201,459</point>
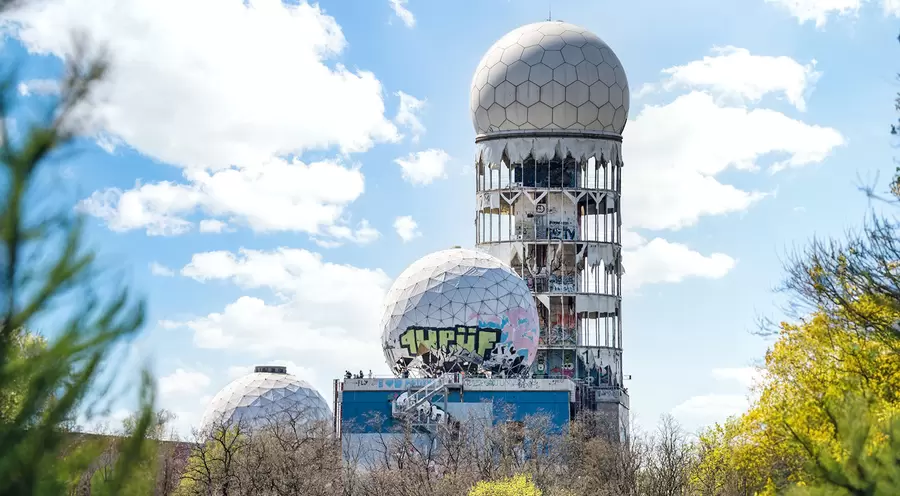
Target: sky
<point>261,170</point>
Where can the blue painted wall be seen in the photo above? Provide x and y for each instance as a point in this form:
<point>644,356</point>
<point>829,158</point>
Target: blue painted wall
<point>360,409</point>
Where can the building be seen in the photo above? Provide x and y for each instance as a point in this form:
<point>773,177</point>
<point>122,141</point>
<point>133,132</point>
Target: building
<point>535,321</point>
<point>549,103</point>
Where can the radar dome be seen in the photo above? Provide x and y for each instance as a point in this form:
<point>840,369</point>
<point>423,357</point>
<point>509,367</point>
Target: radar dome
<point>460,310</point>
<point>263,395</point>
<point>550,76</point>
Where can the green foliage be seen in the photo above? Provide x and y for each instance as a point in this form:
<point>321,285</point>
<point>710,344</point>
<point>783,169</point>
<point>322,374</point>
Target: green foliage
<point>518,485</point>
<point>868,459</point>
<point>23,347</point>
<point>45,268</point>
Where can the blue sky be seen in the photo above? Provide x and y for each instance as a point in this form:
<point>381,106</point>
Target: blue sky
<point>281,129</point>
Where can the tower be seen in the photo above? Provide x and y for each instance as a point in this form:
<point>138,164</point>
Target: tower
<point>549,102</point>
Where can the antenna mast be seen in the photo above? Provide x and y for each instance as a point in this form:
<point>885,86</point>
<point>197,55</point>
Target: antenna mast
<point>549,10</point>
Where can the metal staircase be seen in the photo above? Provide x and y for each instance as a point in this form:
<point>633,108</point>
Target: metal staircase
<point>415,406</point>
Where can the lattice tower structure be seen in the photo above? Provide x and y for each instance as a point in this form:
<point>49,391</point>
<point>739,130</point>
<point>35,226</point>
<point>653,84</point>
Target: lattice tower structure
<point>549,102</point>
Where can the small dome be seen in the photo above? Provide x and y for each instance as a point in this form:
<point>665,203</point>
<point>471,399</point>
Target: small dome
<point>550,76</point>
<point>270,390</point>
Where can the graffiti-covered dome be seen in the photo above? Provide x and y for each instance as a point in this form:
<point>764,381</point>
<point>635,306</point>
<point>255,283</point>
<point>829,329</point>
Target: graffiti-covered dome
<point>459,310</point>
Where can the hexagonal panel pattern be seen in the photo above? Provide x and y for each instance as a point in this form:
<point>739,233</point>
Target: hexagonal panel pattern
<point>255,398</point>
<point>540,75</point>
<point>460,310</point>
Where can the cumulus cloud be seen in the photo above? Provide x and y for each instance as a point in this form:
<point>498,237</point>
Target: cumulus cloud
<point>747,377</point>
<point>406,228</point>
<point>399,7</point>
<point>275,196</point>
<point>735,74</point>
<point>818,11</point>
<point>293,368</point>
<point>185,90</point>
<point>676,150</point>
<point>212,226</point>
<point>183,382</point>
<point>424,167</point>
<point>718,407</point>
<point>409,114</point>
<point>323,315</point>
<point>158,269</point>
<point>660,261</point>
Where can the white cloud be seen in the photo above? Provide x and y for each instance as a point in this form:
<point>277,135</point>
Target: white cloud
<point>631,239</point>
<point>661,261</point>
<point>39,87</point>
<point>818,11</point>
<point>325,315</point>
<point>424,167</point>
<point>212,226</point>
<point>185,90</point>
<point>891,8</point>
<point>734,74</point>
<point>718,407</point>
<point>109,143</point>
<point>183,382</point>
<point>158,269</point>
<point>275,196</point>
<point>406,228</point>
<point>403,13</point>
<point>747,377</point>
<point>676,150</point>
<point>408,114</point>
<point>305,373</point>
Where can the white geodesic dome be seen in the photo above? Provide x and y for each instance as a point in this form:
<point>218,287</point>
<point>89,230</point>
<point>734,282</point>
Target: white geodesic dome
<point>261,396</point>
<point>549,76</point>
<point>459,310</point>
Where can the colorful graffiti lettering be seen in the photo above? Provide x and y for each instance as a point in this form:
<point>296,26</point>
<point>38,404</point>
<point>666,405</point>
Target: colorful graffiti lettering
<point>519,328</point>
<point>479,340</point>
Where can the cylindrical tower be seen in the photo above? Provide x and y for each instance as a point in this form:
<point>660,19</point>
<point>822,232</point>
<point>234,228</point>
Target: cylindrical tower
<point>549,102</point>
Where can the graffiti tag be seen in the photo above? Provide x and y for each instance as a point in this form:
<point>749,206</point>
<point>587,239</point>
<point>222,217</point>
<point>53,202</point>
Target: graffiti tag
<point>478,340</point>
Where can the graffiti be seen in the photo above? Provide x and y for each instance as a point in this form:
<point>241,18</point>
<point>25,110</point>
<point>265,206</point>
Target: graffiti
<point>602,366</point>
<point>505,360</point>
<point>437,362</point>
<point>478,340</point>
<point>606,394</point>
<point>566,370</point>
<point>559,335</point>
<point>517,384</point>
<point>562,283</point>
<point>561,230</point>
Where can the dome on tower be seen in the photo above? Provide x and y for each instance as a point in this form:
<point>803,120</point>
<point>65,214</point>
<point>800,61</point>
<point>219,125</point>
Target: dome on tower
<point>549,76</point>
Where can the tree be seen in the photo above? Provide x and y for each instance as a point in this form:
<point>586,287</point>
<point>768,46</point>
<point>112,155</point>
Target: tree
<point>669,461</point>
<point>45,267</point>
<point>517,485</point>
<point>24,346</point>
<point>869,460</point>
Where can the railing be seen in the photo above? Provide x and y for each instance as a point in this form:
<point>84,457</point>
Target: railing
<point>416,398</point>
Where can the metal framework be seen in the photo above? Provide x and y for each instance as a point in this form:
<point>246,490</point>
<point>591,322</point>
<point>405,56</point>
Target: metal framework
<point>549,103</point>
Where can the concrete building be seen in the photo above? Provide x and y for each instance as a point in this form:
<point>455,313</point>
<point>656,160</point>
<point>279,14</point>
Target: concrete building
<point>549,102</point>
<point>530,322</point>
